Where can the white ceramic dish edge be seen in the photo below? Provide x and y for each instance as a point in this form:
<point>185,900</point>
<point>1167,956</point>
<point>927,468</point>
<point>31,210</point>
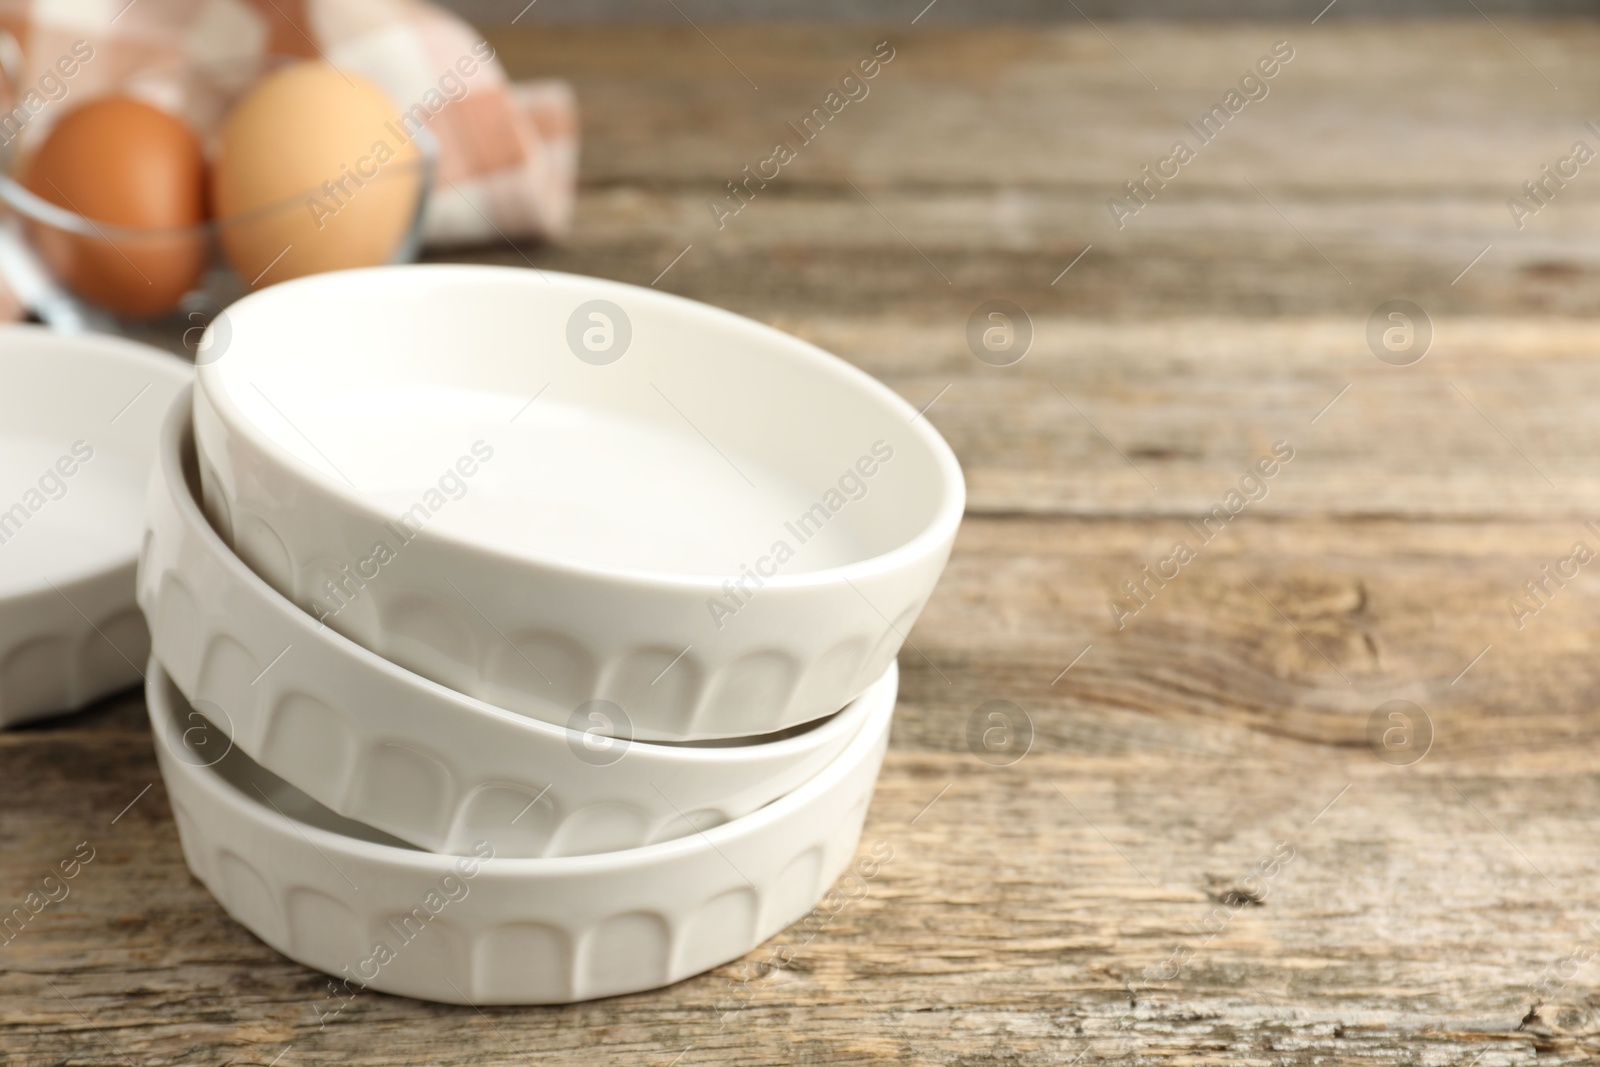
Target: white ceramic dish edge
<point>512,931</point>
<point>403,754</point>
<point>540,636</point>
<point>78,636</point>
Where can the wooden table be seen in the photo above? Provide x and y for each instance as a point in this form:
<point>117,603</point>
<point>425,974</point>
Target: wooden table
<point>1208,852</point>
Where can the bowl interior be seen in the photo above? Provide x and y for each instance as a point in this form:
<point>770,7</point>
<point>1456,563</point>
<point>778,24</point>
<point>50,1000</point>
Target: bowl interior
<point>180,467</point>
<point>78,426</point>
<point>535,412</point>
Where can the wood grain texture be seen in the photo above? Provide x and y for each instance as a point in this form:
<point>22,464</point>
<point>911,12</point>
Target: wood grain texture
<point>487,13</point>
<point>1201,858</point>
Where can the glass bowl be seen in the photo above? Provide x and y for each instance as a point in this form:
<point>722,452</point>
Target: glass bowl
<point>164,284</point>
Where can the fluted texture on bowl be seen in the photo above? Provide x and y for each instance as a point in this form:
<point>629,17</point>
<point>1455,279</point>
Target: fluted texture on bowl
<point>525,931</point>
<point>616,534</point>
<point>63,648</point>
<point>403,754</point>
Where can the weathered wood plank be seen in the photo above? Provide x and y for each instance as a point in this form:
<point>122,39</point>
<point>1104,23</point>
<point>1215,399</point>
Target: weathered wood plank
<point>1296,629</point>
<point>486,12</point>
<point>1157,332</point>
<point>1193,740</point>
<point>1164,418</point>
<point>1057,106</point>
<point>1389,153</point>
<point>1011,924</point>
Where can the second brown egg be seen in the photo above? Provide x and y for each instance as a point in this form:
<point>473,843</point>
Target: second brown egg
<point>314,172</point>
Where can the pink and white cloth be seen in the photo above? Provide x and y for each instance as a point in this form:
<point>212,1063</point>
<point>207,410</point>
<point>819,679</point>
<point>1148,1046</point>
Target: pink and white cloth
<point>508,155</point>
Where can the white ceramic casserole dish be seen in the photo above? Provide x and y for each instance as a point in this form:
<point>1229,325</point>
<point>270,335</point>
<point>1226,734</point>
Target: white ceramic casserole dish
<point>406,755</point>
<point>79,417</point>
<point>339,897</point>
<point>541,489</point>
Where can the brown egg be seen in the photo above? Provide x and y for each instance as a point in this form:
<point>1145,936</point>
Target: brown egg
<point>315,171</point>
<point>122,163</point>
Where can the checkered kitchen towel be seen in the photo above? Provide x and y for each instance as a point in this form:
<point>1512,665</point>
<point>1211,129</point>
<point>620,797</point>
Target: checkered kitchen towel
<point>508,152</point>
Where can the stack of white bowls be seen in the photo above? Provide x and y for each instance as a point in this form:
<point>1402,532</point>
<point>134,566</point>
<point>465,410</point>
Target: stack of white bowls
<point>519,637</point>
